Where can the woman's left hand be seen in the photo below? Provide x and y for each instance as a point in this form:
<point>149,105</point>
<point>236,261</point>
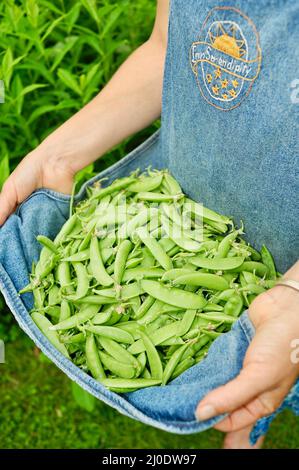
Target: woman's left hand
<point>270,368</point>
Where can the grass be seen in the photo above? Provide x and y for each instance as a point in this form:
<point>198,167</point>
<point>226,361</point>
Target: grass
<point>38,411</point>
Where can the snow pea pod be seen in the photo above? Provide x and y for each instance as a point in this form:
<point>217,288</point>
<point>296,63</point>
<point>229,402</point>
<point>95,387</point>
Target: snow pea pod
<point>233,306</point>
<point>148,183</point>
<point>140,273</point>
<point>121,259</point>
<point>173,296</point>
<point>182,367</point>
<point>218,317</point>
<point>121,369</point>
<point>93,359</point>
<point>158,197</point>
<point>87,313</point>
<point>218,264</point>
<point>134,384</point>
<point>115,186</point>
<point>153,356</point>
<point>268,261</point>
<point>119,353</point>
<point>210,281</point>
<point>97,266</point>
<point>156,250</point>
<point>172,363</point>
<point>46,328</point>
<point>111,332</point>
<point>82,282</point>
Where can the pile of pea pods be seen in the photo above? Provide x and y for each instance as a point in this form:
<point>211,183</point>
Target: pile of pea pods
<point>141,280</point>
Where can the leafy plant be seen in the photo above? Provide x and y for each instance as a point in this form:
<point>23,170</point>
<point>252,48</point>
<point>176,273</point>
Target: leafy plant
<point>54,57</point>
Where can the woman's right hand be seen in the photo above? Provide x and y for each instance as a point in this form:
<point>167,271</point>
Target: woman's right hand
<point>35,171</point>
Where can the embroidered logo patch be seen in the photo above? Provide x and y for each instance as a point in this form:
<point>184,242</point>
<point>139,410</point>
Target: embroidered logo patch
<point>226,59</point>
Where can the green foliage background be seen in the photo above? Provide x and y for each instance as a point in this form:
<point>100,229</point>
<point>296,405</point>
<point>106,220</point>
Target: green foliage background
<point>54,57</point>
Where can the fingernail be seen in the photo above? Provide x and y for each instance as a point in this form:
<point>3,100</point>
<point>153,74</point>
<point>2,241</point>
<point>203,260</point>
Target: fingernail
<point>205,412</point>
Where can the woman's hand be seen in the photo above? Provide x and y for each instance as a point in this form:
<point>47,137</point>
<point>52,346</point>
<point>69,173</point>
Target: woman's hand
<point>268,371</point>
<point>35,171</point>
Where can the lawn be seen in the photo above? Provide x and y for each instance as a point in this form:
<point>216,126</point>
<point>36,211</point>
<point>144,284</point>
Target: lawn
<point>38,411</point>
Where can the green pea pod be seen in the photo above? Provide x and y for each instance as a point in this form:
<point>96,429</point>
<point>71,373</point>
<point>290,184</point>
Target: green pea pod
<point>153,356</point>
<point>82,282</point>
<point>182,367</point>
<point>120,354</point>
<point>129,227</point>
<point>210,281</point>
<point>268,261</point>
<point>93,359</point>
<point>111,332</point>
<point>157,337</point>
<point>186,322</point>
<point>252,266</point>
<point>172,363</point>
<point>87,313</point>
<point>233,306</point>
<point>115,186</point>
<point>45,241</point>
<point>81,256</point>
<point>66,229</point>
<point>65,310</point>
<point>172,183</point>
<point>144,307</point>
<point>140,273</point>
<point>154,247</point>
<point>173,296</point>
<point>121,369</point>
<point>218,264</point>
<point>210,307</point>
<point>218,317</point>
<point>148,183</point>
<point>96,300</point>
<point>46,328</point>
<point>97,266</point>
<point>225,244</point>
<point>102,317</point>
<point>158,197</point>
<point>133,384</point>
<point>121,259</point>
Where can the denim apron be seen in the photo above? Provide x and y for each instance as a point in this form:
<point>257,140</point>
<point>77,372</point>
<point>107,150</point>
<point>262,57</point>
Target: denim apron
<point>229,134</point>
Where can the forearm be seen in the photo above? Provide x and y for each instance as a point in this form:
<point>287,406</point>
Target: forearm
<point>127,104</point>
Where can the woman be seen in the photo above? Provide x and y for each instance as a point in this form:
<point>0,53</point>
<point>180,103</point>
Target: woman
<point>228,118</point>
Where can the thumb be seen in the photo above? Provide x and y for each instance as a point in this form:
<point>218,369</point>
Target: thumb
<point>227,398</point>
<point>8,201</point>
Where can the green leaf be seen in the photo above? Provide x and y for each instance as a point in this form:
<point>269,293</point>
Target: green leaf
<point>31,88</point>
<point>69,80</point>
<point>72,17</point>
<point>83,398</point>
<point>32,11</point>
<point>4,170</point>
<point>110,21</point>
<point>91,7</point>
<point>17,88</point>
<point>7,66</point>
<point>61,49</point>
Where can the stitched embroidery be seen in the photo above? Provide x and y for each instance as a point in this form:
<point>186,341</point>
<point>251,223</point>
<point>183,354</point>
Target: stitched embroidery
<point>226,59</point>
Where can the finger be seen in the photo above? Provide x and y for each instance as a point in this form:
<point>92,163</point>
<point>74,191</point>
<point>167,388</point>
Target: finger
<point>8,202</point>
<point>227,398</point>
<point>248,414</point>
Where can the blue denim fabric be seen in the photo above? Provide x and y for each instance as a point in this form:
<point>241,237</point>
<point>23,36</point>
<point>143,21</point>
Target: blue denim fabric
<point>240,162</point>
<point>170,408</point>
